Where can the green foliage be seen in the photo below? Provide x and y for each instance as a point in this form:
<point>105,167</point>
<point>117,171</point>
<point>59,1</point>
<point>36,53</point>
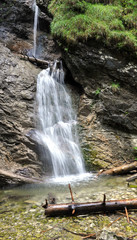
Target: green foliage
<point>115,86</point>
<point>114,22</point>
<point>76,5</point>
<point>97,91</point>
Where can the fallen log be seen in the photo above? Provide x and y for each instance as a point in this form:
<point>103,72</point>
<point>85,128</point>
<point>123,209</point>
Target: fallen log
<point>89,207</point>
<point>37,61</point>
<point>129,179</point>
<point>120,170</point>
<point>9,178</point>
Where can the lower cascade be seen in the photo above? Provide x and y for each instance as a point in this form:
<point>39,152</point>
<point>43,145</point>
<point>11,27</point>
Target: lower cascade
<point>56,124</point>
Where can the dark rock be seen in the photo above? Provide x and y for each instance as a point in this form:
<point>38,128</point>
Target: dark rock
<point>18,153</point>
<point>16,112</point>
<point>107,112</point>
<point>43,5</point>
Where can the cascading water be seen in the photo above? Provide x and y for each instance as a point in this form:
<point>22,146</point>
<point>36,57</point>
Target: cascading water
<point>36,13</point>
<point>56,124</point>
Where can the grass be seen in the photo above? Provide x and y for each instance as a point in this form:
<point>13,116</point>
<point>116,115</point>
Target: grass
<point>113,22</point>
<point>115,87</point>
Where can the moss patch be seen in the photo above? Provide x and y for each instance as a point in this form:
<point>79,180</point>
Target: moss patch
<point>115,23</point>
<point>93,159</point>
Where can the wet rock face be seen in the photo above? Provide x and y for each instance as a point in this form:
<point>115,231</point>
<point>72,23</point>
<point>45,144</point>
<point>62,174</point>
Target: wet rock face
<point>18,154</point>
<point>95,66</point>
<point>43,5</point>
<point>17,91</point>
<point>15,16</point>
<point>107,111</point>
<point>18,86</point>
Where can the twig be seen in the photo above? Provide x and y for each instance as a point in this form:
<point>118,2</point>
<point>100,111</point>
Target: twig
<point>55,238</point>
<point>73,211</point>
<point>133,218</point>
<point>123,214</point>
<point>71,193</point>
<point>46,204</point>
<point>93,235</point>
<point>133,221</point>
<point>79,234</point>
<point>104,199</point>
<point>115,221</point>
<point>127,215</point>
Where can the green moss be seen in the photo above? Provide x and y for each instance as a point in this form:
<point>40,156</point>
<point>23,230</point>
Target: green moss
<point>89,155</point>
<point>100,164</point>
<point>114,24</point>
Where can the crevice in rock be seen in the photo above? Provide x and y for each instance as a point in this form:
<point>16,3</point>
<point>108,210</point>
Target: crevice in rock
<point>70,80</point>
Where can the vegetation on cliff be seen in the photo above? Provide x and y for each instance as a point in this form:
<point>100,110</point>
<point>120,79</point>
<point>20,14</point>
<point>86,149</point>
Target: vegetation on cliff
<point>113,22</point>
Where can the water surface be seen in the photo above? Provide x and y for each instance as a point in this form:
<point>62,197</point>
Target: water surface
<point>22,216</point>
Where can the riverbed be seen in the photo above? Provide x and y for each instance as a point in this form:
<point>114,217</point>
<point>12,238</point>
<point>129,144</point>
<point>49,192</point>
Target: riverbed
<point>22,215</point>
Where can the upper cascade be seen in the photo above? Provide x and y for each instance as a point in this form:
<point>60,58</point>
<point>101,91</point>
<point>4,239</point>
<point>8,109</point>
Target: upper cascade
<point>36,14</point>
<point>56,124</point>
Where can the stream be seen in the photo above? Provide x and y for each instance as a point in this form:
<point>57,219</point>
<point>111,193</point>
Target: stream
<point>22,215</point>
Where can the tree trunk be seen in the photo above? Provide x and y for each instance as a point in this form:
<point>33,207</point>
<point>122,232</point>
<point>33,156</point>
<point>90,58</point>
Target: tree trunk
<point>120,170</point>
<point>88,208</point>
<point>37,61</point>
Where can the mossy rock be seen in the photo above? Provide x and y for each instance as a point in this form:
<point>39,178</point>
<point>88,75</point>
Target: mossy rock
<point>99,164</point>
<point>92,158</point>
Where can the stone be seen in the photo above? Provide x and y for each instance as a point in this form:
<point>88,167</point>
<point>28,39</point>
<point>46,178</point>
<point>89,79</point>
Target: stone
<point>109,123</point>
<point>105,235</point>
<point>19,154</point>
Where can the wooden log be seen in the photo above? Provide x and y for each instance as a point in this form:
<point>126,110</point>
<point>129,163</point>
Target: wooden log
<point>120,170</point>
<point>9,178</point>
<point>37,61</point>
<point>129,179</point>
<point>88,208</point>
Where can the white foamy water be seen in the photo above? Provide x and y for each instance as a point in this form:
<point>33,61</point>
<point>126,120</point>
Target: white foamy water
<point>56,124</point>
<point>73,179</point>
<point>36,13</point>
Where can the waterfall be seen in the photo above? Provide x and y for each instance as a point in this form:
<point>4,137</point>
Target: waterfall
<point>36,13</point>
<point>56,124</point>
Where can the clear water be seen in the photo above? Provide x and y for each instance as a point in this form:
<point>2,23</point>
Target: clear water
<point>56,124</point>
<point>36,13</point>
<point>84,189</point>
<point>22,215</point>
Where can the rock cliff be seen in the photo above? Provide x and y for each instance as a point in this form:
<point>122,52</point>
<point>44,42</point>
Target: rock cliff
<point>107,111</point>
<point>18,155</point>
<point>107,107</point>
